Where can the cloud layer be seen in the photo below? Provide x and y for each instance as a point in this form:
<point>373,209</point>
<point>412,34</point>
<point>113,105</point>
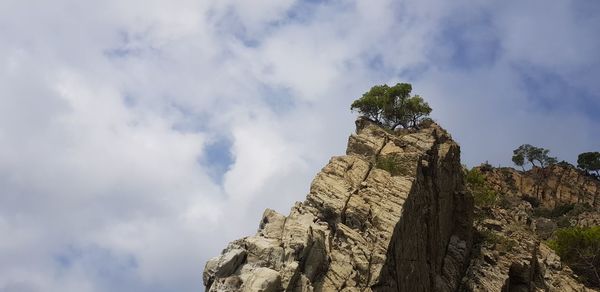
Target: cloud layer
<point>138,137</point>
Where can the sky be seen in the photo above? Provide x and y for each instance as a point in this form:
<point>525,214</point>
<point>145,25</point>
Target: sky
<point>138,137</point>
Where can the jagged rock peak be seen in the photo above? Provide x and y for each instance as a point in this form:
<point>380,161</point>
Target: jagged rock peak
<point>390,215</point>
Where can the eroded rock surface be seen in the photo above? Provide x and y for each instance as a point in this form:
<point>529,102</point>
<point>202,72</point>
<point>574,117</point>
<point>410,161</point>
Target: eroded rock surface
<point>509,256</point>
<point>390,215</point>
<point>553,186</point>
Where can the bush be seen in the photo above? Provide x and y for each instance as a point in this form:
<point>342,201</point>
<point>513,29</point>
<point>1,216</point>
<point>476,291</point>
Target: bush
<point>580,249</point>
<point>542,212</point>
<point>474,177</point>
<point>388,163</point>
<point>535,202</point>
<point>558,211</point>
<point>509,179</point>
<point>580,208</point>
<point>502,244</point>
<point>395,165</point>
<point>486,167</point>
<point>561,210</point>
<point>483,195</point>
<point>563,222</point>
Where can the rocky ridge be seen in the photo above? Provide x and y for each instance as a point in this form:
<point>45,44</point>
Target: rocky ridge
<point>393,214</point>
<point>552,186</point>
<point>508,254</point>
<point>390,215</point>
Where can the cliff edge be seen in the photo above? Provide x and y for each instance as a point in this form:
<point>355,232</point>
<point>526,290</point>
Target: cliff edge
<point>390,215</point>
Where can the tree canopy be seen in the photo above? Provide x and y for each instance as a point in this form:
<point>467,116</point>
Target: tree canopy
<point>531,154</point>
<point>392,106</point>
<point>589,161</point>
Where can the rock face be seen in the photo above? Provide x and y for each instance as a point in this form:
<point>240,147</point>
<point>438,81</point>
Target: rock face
<point>509,257</point>
<point>510,251</point>
<point>390,215</point>
<point>553,186</point>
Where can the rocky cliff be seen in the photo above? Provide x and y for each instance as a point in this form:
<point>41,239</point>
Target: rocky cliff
<point>510,252</point>
<point>390,215</point>
<point>393,214</point>
<point>552,186</point>
<point>509,255</point>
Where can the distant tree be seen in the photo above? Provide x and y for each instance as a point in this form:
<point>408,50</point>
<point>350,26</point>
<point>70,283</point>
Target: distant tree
<point>532,154</point>
<point>589,161</point>
<point>392,106</point>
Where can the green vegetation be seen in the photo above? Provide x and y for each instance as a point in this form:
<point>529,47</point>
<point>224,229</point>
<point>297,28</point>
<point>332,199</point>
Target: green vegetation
<point>589,161</point>
<point>393,164</point>
<point>504,244</point>
<point>558,211</point>
<point>388,163</point>
<point>535,202</point>
<point>485,167</point>
<point>482,193</point>
<point>580,249</point>
<point>392,106</point>
<point>531,154</point>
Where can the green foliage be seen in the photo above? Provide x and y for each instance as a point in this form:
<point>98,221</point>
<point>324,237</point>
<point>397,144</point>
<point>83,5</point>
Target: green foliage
<point>581,208</point>
<point>388,163</point>
<point>519,159</point>
<point>563,222</point>
<point>542,212</point>
<point>489,236</point>
<point>532,154</point>
<point>589,161</point>
<point>395,165</point>
<point>535,202</point>
<point>392,106</point>
<point>558,211</point>
<point>486,166</point>
<point>562,210</point>
<point>564,213</point>
<point>502,243</point>
<point>580,249</point>
<point>509,179</point>
<point>483,195</point>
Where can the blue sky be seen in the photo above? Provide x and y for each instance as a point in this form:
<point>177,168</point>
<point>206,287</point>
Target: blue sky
<point>137,137</point>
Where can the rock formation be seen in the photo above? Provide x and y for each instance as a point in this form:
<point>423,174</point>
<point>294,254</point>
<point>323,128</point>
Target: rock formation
<point>390,215</point>
<point>553,186</point>
<point>393,214</point>
<point>509,257</point>
<point>510,253</point>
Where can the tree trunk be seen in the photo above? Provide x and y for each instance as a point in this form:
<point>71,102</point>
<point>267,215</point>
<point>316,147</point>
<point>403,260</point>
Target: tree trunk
<point>521,182</point>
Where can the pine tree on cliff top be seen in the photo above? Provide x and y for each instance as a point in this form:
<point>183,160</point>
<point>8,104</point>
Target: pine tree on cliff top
<point>392,106</point>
